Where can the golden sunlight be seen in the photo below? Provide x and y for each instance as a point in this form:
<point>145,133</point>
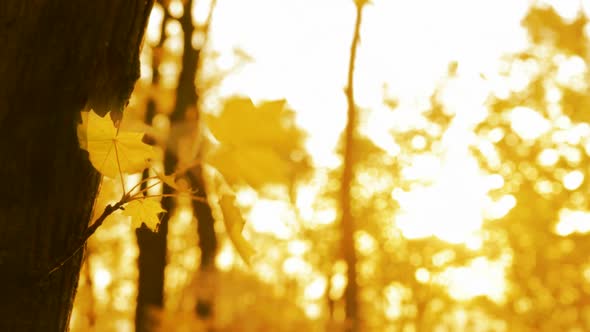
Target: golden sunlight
<point>438,184</point>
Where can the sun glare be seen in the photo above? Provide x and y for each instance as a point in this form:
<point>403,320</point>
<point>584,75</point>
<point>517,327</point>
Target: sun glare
<point>451,208</point>
<point>481,277</point>
<point>454,203</point>
<point>572,221</point>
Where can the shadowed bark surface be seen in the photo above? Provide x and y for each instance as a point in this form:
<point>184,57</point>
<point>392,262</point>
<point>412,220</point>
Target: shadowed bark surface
<point>57,58</point>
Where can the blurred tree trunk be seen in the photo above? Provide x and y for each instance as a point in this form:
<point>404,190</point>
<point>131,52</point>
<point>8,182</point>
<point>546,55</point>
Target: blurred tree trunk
<point>208,246</point>
<point>154,245</point>
<point>57,58</point>
<point>91,311</point>
<point>347,222</point>
<point>150,284</point>
<point>186,109</point>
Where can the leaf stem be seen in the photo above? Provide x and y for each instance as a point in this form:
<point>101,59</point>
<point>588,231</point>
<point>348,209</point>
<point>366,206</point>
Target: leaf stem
<point>119,163</point>
<point>141,182</point>
<point>146,189</point>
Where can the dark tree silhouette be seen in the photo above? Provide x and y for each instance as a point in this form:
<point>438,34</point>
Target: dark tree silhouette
<point>347,222</point>
<point>57,58</point>
<point>153,245</point>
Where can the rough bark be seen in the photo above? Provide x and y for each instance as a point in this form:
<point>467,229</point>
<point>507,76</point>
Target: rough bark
<point>56,59</point>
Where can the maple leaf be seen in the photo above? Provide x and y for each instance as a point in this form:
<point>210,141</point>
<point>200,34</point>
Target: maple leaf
<point>242,123</point>
<point>145,210</point>
<point>112,152</point>
<point>256,142</point>
<point>256,166</point>
<point>234,224</point>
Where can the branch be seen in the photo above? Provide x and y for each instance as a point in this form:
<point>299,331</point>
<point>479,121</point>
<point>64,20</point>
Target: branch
<point>108,210</point>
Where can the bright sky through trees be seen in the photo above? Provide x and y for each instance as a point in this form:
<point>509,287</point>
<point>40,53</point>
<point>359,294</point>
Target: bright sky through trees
<point>441,229</point>
<point>406,48</point>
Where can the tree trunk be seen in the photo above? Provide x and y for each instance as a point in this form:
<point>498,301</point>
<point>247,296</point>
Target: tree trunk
<point>151,245</point>
<point>151,271</point>
<point>347,223</point>
<point>56,59</point>
<point>187,99</point>
<point>207,244</point>
<point>150,285</point>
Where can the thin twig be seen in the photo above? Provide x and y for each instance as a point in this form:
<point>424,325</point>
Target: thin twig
<point>144,180</point>
<point>108,210</point>
<point>146,189</point>
<point>192,197</point>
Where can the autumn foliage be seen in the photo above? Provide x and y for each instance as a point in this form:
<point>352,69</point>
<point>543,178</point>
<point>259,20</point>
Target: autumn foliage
<point>459,175</point>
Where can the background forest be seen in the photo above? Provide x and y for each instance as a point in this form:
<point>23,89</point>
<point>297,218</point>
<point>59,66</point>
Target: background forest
<point>439,183</point>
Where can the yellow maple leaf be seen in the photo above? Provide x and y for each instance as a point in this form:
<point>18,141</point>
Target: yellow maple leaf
<point>255,166</point>
<point>269,124</point>
<point>144,211</point>
<point>256,143</point>
<point>234,224</point>
<point>112,152</point>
